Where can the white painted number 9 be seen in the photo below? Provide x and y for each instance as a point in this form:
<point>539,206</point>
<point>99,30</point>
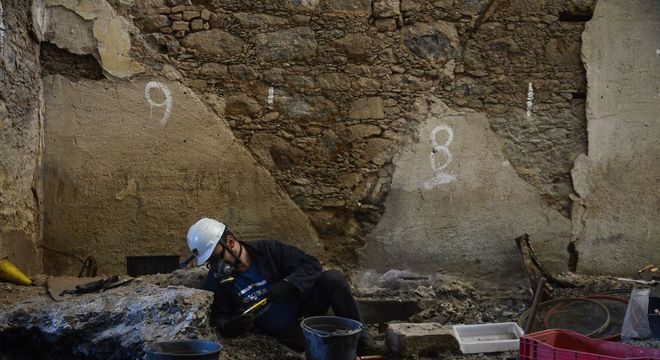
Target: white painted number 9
<point>167,103</point>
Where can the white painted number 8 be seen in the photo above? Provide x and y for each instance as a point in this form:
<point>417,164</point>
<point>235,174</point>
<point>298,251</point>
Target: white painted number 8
<point>167,103</point>
<point>440,176</point>
<point>441,148</point>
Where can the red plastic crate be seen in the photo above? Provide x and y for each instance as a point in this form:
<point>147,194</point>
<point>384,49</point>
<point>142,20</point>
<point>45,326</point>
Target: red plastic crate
<point>556,344</point>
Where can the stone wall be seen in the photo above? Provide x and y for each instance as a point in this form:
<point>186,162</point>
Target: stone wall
<point>20,147</point>
<point>322,92</point>
<point>384,125</point>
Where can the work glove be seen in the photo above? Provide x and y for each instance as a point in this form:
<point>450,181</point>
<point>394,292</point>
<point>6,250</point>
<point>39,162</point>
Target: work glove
<point>279,291</point>
<point>238,325</point>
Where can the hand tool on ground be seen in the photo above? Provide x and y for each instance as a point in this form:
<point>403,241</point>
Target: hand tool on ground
<point>92,286</point>
<point>255,306</point>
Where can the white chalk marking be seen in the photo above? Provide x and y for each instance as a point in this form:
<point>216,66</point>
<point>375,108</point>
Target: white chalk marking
<point>530,98</point>
<point>2,29</point>
<point>271,95</point>
<point>657,52</point>
<point>441,177</point>
<point>506,163</point>
<point>167,103</point>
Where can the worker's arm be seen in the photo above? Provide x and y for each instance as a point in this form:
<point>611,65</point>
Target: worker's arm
<point>298,267</point>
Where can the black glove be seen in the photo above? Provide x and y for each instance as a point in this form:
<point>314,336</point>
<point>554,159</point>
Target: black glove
<point>279,291</point>
<point>238,325</point>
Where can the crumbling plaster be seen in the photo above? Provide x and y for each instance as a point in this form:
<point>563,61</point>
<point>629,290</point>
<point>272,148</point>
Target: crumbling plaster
<point>20,139</point>
<point>334,99</point>
<point>616,213</point>
<point>456,202</point>
<point>88,27</point>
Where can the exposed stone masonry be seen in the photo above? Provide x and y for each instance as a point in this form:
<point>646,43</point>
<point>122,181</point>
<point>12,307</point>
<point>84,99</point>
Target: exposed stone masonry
<point>320,91</point>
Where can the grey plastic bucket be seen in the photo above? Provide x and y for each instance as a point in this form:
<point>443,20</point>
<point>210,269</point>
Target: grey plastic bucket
<point>330,337</point>
<point>184,349</point>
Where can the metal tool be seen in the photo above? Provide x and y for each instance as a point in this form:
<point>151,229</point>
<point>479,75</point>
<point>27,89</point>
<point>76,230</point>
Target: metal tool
<point>93,286</point>
<point>256,305</point>
<point>535,304</point>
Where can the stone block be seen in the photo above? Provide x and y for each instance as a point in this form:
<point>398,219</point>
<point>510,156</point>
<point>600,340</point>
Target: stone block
<point>205,15</point>
<point>176,17</point>
<point>385,25</point>
<point>152,23</point>
<point>367,108</point>
<point>435,42</point>
<point>333,81</point>
<point>197,24</point>
<point>214,42</point>
<point>189,15</point>
<point>180,26</point>
<point>362,131</point>
<point>421,339</point>
<point>376,150</point>
<point>214,70</point>
<point>166,30</point>
<point>178,9</point>
<point>351,6</point>
<point>386,8</point>
<point>242,104</point>
<point>286,45</point>
<point>356,46</point>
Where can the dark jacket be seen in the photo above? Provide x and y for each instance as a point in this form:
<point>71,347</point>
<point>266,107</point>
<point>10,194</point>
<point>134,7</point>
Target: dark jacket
<point>277,261</point>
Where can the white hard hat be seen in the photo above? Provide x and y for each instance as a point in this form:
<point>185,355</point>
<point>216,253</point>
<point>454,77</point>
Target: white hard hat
<point>203,236</point>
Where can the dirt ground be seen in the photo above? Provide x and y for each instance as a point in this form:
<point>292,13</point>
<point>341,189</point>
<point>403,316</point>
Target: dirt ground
<point>456,302</point>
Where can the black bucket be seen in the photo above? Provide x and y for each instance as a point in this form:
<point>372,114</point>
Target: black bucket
<point>184,349</point>
<point>330,337</point>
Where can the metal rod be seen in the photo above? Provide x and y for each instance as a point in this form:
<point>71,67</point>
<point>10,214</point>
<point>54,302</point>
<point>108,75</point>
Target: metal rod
<point>535,304</point>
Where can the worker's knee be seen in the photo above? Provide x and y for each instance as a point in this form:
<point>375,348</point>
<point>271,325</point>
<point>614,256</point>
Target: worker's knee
<point>334,280</point>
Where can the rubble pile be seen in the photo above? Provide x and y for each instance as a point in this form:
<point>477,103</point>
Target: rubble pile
<point>116,324</point>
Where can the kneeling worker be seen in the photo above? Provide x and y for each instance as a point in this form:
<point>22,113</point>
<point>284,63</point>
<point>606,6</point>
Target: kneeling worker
<point>293,284</point>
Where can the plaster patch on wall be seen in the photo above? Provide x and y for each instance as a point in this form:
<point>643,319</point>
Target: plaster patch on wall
<point>107,37</point>
<point>463,221</point>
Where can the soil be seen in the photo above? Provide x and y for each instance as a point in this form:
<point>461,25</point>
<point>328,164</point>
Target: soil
<point>456,302</point>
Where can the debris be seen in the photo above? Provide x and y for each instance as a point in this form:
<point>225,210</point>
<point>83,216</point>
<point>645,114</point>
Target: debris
<point>537,298</point>
<point>426,339</point>
<point>535,268</point>
<point>9,272</point>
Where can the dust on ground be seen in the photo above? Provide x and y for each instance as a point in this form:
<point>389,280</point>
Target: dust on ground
<point>455,301</point>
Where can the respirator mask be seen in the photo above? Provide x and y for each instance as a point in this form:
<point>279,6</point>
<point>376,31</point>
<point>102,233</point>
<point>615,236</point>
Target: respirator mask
<point>224,268</point>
